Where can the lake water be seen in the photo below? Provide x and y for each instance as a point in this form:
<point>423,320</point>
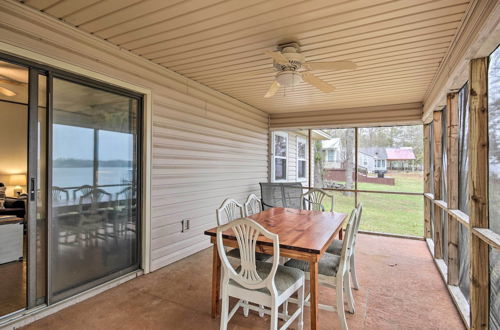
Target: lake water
<point>65,177</point>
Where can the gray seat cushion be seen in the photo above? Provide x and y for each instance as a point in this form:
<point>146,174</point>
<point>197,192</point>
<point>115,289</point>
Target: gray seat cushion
<point>235,253</point>
<point>335,247</point>
<point>328,264</point>
<point>285,276</point>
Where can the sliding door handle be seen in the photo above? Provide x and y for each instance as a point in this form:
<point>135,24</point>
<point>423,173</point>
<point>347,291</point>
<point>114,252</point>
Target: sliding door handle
<point>33,189</point>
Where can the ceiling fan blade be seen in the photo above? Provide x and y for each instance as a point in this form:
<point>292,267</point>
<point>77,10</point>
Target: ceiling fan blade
<point>273,89</point>
<point>7,92</point>
<point>277,57</point>
<point>336,66</point>
<point>11,82</point>
<point>316,82</point>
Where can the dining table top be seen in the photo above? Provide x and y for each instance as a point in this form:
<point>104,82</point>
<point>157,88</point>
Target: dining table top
<point>300,230</point>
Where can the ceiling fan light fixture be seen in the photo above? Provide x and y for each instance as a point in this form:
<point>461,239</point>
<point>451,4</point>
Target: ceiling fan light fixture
<point>289,78</point>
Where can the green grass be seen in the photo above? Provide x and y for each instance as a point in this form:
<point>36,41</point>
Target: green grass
<point>395,214</point>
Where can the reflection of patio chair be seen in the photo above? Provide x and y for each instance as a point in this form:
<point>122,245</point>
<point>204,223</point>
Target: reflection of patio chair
<point>82,190</point>
<point>94,215</point>
<point>58,194</point>
<point>124,211</point>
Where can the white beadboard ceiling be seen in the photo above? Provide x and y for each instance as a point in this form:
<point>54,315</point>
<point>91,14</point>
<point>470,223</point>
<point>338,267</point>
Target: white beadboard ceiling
<point>397,45</point>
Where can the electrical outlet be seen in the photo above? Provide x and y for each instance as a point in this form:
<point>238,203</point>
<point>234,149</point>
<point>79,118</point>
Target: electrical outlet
<point>185,225</point>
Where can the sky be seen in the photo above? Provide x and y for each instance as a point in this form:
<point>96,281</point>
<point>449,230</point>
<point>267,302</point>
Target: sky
<point>77,142</point>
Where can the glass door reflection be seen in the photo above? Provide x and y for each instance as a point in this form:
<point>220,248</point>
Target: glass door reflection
<point>94,186</point>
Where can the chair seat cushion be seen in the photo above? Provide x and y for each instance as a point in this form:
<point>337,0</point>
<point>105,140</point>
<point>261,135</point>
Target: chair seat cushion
<point>335,247</point>
<point>328,264</point>
<point>285,276</point>
<point>235,253</point>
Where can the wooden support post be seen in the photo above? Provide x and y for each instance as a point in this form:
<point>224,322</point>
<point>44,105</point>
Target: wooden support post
<point>452,183</point>
<point>478,192</point>
<point>438,158</point>
<point>427,181</point>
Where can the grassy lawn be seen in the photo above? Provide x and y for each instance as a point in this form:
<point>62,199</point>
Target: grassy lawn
<point>395,214</point>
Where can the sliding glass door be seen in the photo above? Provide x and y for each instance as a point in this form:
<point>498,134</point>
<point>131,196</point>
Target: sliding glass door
<point>69,184</point>
<point>94,175</point>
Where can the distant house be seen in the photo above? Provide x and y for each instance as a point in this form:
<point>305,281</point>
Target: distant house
<point>332,153</point>
<point>373,159</point>
<point>378,159</point>
<point>400,158</point>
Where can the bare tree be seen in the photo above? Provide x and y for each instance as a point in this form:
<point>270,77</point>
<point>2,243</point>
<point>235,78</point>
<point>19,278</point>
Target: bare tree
<point>318,165</point>
<point>349,161</point>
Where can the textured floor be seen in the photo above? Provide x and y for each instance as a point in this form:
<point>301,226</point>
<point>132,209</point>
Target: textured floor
<point>400,289</point>
<point>12,287</point>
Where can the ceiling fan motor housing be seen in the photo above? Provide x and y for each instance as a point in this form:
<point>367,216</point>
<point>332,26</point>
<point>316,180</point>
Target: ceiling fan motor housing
<point>289,78</point>
<point>291,53</point>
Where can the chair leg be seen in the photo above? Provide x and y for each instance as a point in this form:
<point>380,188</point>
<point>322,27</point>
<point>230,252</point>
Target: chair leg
<point>245,308</point>
<point>340,304</point>
<point>224,315</point>
<point>354,277</point>
<point>285,310</point>
<point>261,310</point>
<point>274,316</point>
<point>348,293</point>
<point>300,324</point>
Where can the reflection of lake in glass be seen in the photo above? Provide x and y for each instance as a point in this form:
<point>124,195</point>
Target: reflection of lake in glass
<point>65,177</point>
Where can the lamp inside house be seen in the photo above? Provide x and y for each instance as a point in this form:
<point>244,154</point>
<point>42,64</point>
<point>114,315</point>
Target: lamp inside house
<point>18,180</point>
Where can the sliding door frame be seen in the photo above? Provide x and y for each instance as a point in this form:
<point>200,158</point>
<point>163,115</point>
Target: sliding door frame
<point>143,163</point>
<point>76,79</point>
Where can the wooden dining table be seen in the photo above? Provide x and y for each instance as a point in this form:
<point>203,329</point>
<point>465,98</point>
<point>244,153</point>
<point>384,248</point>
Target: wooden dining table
<point>303,235</point>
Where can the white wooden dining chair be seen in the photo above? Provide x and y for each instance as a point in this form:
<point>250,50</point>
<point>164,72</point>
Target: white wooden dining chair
<point>229,211</point>
<point>314,198</point>
<point>262,283</point>
<point>253,205</point>
<point>336,247</point>
<point>333,272</point>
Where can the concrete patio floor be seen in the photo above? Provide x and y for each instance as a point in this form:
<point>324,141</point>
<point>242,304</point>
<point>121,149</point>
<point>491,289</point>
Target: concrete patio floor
<point>400,289</point>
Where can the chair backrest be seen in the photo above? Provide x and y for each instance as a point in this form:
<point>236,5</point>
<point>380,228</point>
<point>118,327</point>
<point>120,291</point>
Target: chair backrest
<point>253,205</point>
<point>124,194</point>
<point>58,193</point>
<point>229,211</point>
<point>247,233</point>
<point>347,246</point>
<point>292,194</point>
<point>82,190</point>
<point>272,195</point>
<point>286,194</point>
<point>314,198</point>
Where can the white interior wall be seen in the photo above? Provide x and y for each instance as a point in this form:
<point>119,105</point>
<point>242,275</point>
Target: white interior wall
<point>14,143</point>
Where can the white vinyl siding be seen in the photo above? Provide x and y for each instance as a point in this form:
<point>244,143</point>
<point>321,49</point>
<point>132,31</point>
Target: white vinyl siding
<point>206,146</point>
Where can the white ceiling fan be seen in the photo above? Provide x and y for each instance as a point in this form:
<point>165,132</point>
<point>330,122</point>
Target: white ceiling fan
<point>288,61</point>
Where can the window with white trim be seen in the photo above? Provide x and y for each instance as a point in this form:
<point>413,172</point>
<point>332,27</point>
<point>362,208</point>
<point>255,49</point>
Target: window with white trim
<point>280,156</point>
<point>301,158</point>
<point>330,155</point>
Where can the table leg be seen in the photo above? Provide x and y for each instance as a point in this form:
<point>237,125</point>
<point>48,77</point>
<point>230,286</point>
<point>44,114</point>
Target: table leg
<point>216,271</point>
<point>341,234</point>
<point>313,274</point>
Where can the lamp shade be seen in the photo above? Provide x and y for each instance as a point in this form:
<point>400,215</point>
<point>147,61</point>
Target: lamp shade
<point>18,180</point>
